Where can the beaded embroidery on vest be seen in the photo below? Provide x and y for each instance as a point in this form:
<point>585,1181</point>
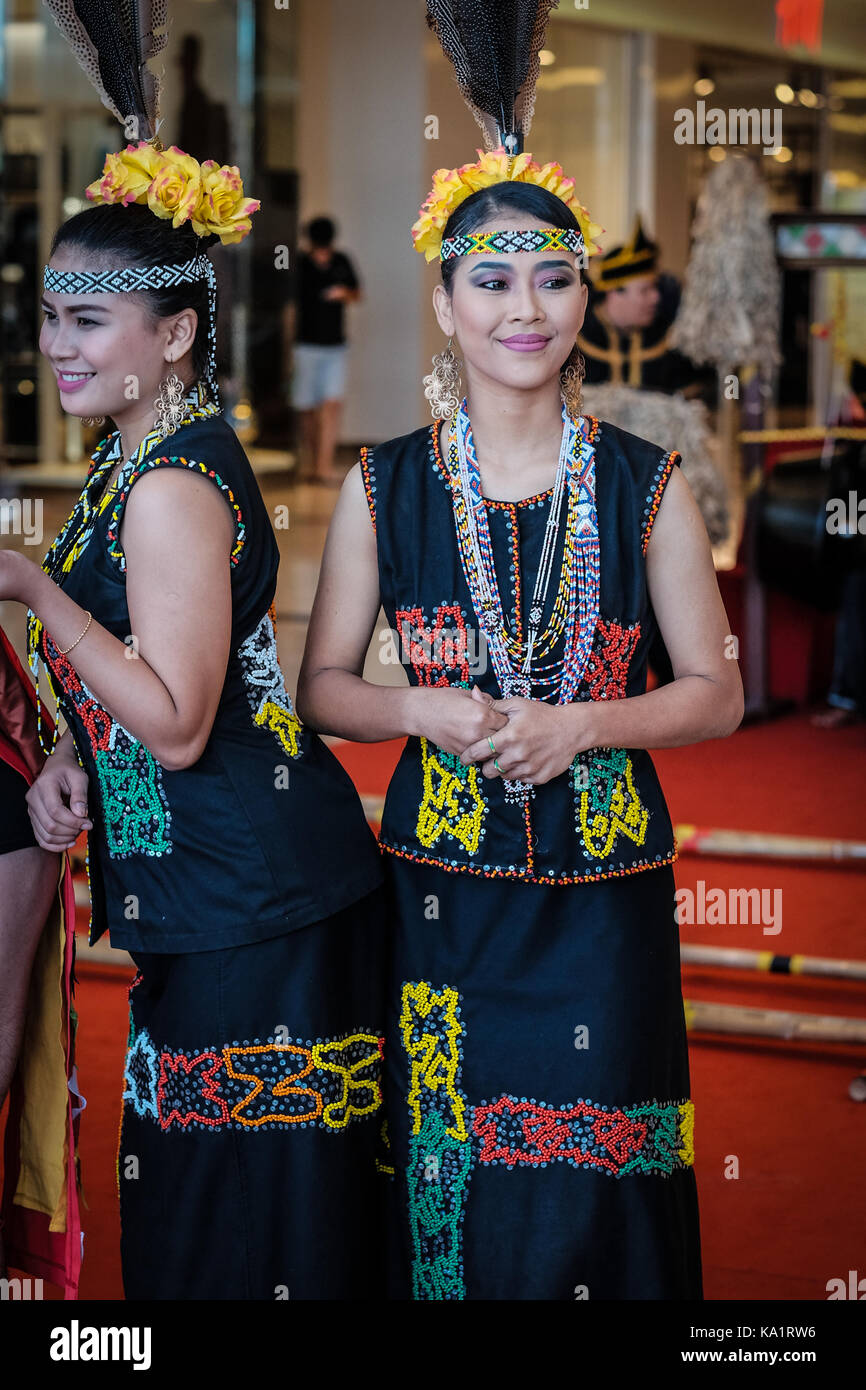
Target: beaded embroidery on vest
<point>266,690</point>
<point>135,810</point>
<point>612,800</point>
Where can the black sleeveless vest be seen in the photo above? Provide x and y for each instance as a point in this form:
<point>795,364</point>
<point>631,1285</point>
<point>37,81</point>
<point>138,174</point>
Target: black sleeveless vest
<point>606,815</point>
<point>265,833</point>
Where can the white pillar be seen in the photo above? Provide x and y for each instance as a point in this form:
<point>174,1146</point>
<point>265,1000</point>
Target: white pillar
<point>360,146</point>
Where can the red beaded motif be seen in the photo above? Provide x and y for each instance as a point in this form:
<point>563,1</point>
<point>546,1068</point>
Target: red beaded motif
<point>654,1137</point>
<point>135,811</point>
<point>607,668</point>
<point>435,651</point>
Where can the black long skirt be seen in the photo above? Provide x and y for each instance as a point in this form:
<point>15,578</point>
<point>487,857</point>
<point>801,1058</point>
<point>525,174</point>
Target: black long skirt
<point>252,1162</point>
<point>537,1080</point>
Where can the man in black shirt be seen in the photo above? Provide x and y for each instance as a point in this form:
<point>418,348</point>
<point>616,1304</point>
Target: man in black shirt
<point>325,282</point>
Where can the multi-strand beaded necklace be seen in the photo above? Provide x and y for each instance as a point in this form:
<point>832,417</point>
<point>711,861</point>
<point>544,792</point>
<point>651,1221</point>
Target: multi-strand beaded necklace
<point>575,608</point>
<point>75,534</point>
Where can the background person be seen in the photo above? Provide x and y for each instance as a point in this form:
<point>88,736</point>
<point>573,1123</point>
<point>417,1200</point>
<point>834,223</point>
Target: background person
<point>325,282</point>
<point>624,338</point>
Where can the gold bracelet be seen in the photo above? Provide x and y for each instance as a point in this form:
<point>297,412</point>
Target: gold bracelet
<point>65,650</point>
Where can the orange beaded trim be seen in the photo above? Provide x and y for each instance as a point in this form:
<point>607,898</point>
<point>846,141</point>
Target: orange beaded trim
<point>366,462</point>
<point>525,875</point>
<point>530,852</point>
<point>654,497</point>
<point>523,502</point>
<point>515,559</point>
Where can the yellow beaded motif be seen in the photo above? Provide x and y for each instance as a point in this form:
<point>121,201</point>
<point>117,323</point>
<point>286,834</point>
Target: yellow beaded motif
<point>452,804</point>
<point>357,1061</point>
<point>431,1031</point>
<point>687,1131</point>
<point>610,806</point>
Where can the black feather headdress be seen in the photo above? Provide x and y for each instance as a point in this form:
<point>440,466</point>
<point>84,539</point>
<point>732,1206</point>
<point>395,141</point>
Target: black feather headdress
<point>494,47</point>
<point>114,41</point>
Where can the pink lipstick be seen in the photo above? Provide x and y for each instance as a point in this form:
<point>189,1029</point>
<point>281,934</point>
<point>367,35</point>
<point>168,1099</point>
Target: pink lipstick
<point>525,342</point>
<point>73,381</point>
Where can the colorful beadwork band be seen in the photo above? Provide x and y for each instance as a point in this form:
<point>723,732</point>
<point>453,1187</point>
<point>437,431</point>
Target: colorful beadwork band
<point>129,279</point>
<point>526,239</point>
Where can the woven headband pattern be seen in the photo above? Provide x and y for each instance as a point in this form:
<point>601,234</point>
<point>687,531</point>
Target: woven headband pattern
<point>529,239</point>
<point>128,279</point>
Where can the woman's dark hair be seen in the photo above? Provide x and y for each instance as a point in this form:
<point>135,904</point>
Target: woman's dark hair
<point>114,236</point>
<point>510,197</point>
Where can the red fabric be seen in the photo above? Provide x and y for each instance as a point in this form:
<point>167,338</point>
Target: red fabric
<point>30,1245</point>
<point>799,21</point>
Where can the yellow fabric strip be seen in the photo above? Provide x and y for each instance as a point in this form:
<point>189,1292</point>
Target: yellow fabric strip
<point>42,1074</point>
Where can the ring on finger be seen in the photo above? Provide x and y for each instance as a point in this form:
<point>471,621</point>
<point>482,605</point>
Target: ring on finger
<point>496,764</point>
<point>492,745</point>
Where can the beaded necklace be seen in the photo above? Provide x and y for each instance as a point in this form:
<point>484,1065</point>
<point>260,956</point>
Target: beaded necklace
<point>74,536</point>
<point>577,603</point>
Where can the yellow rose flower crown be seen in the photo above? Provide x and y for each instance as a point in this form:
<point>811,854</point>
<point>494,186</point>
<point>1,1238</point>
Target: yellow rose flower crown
<point>494,50</point>
<point>114,53</point>
<point>175,185</point>
<point>451,187</point>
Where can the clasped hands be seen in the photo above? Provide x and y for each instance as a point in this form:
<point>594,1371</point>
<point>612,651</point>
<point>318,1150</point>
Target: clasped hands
<point>532,741</point>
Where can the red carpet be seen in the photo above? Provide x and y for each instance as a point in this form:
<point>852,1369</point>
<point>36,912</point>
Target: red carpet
<point>794,1217</point>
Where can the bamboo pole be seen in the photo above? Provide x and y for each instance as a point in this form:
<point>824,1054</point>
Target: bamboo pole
<point>736,958</point>
<point>760,844</point>
<point>707,1017</point>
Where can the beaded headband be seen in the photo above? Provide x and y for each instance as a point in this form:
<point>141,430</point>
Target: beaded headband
<point>530,239</point>
<point>451,187</point>
<point>128,279</point>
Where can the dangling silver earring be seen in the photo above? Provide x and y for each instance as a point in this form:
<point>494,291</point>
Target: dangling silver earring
<point>571,380</point>
<point>93,419</point>
<point>169,404</point>
<point>443,386</point>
